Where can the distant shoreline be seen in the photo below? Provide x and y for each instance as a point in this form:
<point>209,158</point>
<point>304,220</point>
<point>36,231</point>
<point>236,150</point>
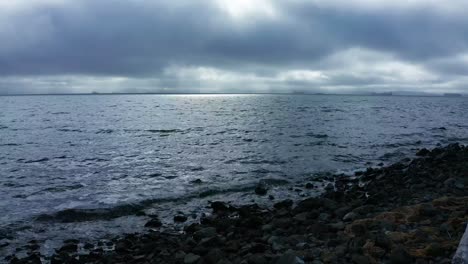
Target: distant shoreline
<point>298,94</point>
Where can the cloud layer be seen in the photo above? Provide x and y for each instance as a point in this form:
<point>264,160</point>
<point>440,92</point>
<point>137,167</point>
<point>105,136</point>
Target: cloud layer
<point>233,46</point>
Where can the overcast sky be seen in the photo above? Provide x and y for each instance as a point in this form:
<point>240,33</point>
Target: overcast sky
<point>50,46</point>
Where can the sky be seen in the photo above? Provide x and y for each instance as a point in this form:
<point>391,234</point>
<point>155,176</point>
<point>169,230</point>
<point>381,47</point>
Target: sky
<point>212,46</point>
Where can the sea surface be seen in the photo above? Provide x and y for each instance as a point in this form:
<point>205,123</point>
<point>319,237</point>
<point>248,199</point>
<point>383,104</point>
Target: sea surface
<point>98,159</point>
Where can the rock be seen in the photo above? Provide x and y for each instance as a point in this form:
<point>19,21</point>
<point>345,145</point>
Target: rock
<point>423,152</point>
<point>197,181</point>
<point>261,189</point>
<point>434,250</point>
<point>257,259</point>
<point>68,248</point>
<point>205,233</point>
<point>284,204</point>
<point>180,218</point>
<point>191,258</point>
<point>219,207</point>
<point>71,241</point>
<point>211,241</point>
<point>6,244</point>
<point>337,226</point>
<point>309,185</point>
<point>351,216</point>
<point>309,204</point>
<point>289,258</point>
<point>153,223</point>
<point>329,187</point>
<point>213,256</point>
<point>267,227</point>
<point>88,246</point>
<point>302,217</point>
<point>323,217</point>
<point>360,259</point>
<point>450,183</point>
<point>224,261</point>
<point>399,255</point>
<point>342,211</point>
<point>123,245</point>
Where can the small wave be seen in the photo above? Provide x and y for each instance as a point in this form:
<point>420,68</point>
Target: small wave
<point>391,156</point>
<point>83,215</point>
<point>156,174</point>
<point>332,110</point>
<point>3,127</point>
<point>9,145</point>
<point>196,168</point>
<point>164,131</point>
<point>34,161</point>
<point>317,135</point>
<point>397,145</point>
<point>58,189</point>
<point>94,159</point>
<point>346,158</point>
<point>261,171</point>
<point>270,162</point>
<point>69,130</point>
<point>105,131</point>
<point>60,113</point>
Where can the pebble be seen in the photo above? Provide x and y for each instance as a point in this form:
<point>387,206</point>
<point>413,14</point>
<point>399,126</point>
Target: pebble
<point>191,258</point>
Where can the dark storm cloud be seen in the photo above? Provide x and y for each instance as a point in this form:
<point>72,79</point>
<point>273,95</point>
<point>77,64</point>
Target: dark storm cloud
<point>141,39</point>
<point>415,34</point>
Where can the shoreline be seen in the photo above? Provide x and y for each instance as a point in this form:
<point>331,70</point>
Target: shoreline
<point>410,211</point>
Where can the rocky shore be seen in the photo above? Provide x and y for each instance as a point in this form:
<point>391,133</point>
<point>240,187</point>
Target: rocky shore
<point>414,211</point>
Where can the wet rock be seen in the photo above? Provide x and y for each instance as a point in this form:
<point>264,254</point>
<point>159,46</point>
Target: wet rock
<point>191,258</point>
<point>423,152</point>
<point>197,181</point>
<point>180,218</point>
<point>68,248</point>
<point>88,246</point>
<point>219,207</point>
<point>6,244</point>
<point>154,223</point>
<point>261,189</point>
<point>285,204</point>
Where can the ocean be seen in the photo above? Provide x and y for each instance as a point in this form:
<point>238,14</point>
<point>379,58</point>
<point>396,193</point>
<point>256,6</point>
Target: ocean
<point>81,165</point>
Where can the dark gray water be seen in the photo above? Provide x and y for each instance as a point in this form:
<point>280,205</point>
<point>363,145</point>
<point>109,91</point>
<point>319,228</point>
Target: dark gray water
<point>87,152</point>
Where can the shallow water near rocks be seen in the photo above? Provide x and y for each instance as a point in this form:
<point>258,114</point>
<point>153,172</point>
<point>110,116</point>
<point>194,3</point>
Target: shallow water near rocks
<point>110,156</point>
